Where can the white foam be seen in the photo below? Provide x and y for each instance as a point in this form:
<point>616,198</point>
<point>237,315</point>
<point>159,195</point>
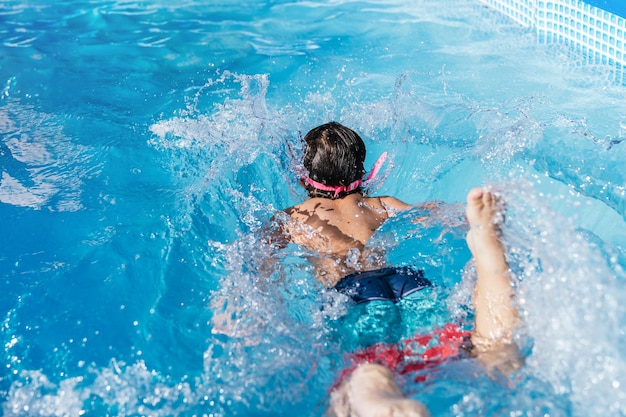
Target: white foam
<point>569,293</point>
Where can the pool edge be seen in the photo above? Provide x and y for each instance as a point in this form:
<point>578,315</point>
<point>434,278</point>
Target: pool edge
<point>598,35</point>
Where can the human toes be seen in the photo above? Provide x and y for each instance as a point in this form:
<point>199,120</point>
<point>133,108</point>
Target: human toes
<point>475,206</point>
<point>475,196</point>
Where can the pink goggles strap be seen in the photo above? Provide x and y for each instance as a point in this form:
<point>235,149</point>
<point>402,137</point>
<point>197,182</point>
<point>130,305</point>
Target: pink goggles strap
<point>353,185</point>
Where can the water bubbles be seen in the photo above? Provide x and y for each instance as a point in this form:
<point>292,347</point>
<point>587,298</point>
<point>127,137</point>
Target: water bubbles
<point>568,292</point>
<point>11,342</point>
<point>353,258</point>
<point>5,91</point>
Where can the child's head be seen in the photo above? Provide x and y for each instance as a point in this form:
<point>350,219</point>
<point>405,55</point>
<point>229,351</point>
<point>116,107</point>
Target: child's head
<point>334,157</point>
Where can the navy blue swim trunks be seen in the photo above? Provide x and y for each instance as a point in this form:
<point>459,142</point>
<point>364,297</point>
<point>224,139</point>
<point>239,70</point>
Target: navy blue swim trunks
<point>382,284</point>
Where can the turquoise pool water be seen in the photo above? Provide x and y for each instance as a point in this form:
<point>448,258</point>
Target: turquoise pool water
<point>145,145</point>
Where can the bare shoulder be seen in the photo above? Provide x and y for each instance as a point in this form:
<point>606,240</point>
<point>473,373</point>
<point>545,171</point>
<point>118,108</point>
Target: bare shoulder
<point>306,209</point>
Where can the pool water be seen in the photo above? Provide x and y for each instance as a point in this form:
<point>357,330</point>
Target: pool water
<point>145,147</point>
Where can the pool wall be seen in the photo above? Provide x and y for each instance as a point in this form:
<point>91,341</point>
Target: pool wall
<point>599,35</point>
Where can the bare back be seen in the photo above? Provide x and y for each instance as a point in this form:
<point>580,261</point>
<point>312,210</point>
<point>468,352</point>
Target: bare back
<point>334,228</point>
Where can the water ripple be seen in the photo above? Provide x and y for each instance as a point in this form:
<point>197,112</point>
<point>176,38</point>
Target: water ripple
<point>41,167</point>
<point>19,42</point>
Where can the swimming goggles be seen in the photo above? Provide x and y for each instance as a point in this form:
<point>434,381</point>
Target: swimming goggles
<point>338,189</point>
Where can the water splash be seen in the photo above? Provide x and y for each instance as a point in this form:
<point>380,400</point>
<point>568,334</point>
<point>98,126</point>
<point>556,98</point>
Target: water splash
<point>569,292</point>
<point>119,389</point>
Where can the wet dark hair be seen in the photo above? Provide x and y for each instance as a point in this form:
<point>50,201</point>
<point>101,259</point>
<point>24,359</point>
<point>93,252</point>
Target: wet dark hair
<point>334,156</point>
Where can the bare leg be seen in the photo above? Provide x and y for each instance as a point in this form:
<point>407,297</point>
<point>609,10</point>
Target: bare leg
<point>496,317</point>
<point>372,392</point>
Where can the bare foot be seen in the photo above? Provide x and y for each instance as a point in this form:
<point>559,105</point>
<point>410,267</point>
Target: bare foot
<point>482,211</point>
<point>496,316</point>
<point>372,392</point>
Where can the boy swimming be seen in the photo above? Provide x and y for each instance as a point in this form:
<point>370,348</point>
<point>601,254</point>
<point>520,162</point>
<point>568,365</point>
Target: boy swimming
<point>337,221</point>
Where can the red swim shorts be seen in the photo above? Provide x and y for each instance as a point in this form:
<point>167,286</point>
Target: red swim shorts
<point>416,354</point>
